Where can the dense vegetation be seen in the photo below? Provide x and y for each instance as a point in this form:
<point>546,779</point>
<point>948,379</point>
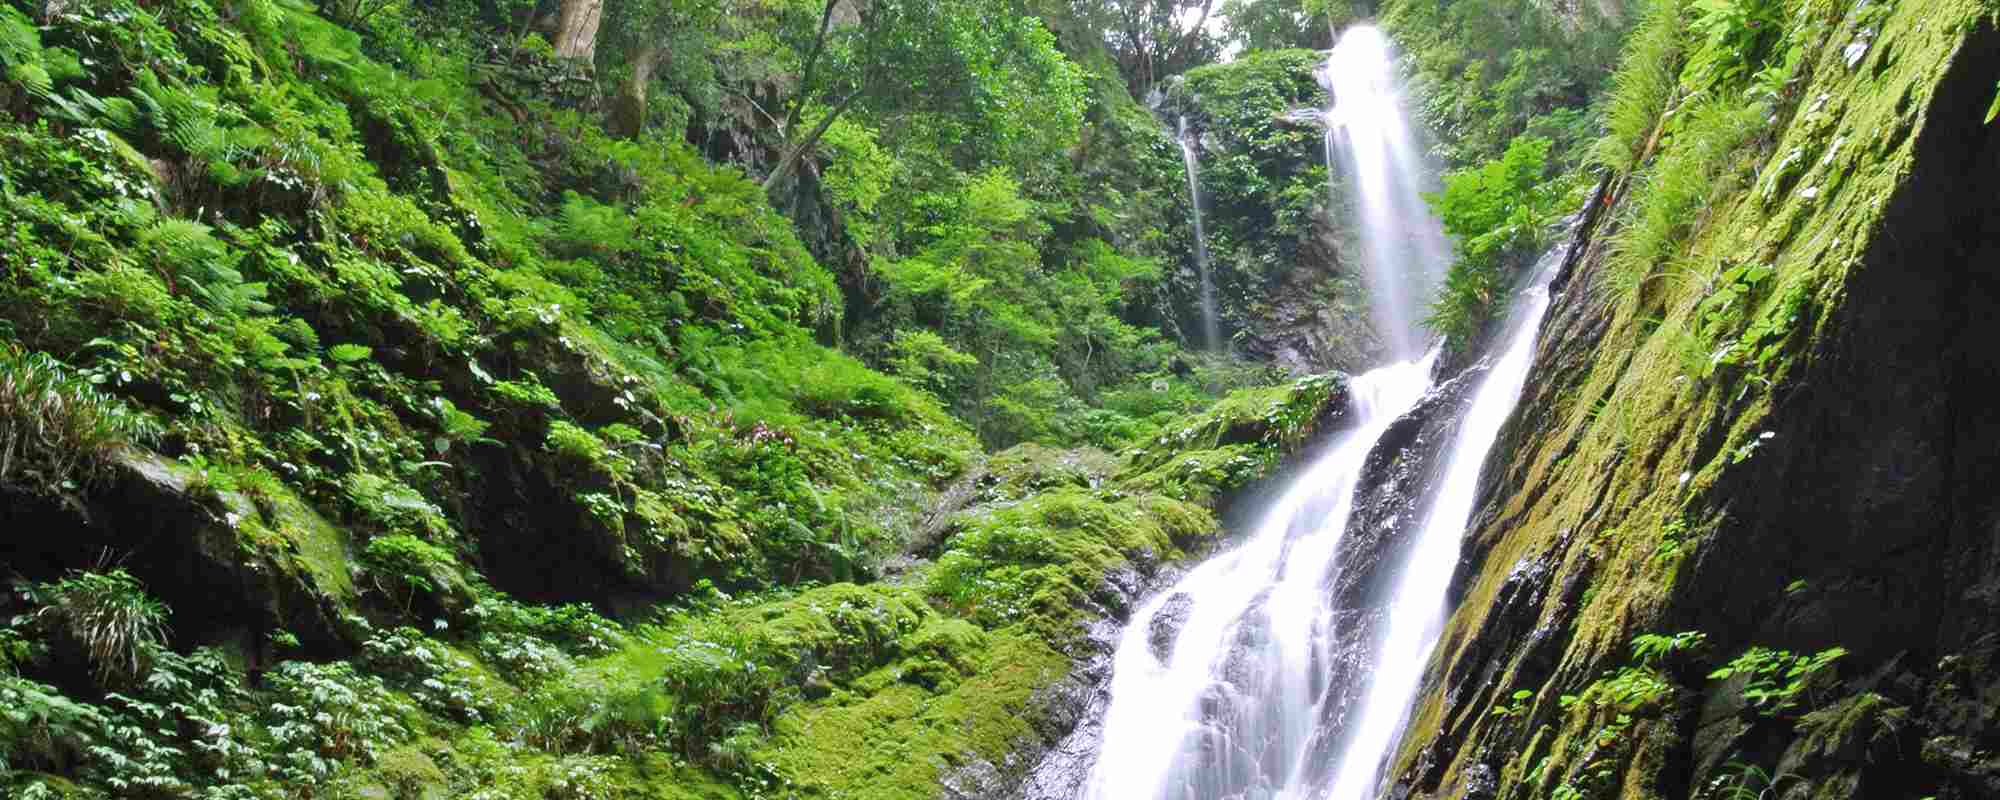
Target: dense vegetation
<point>742,398</point>
<point>573,400</point>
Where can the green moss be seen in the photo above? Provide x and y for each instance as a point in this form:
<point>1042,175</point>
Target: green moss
<point>895,743</point>
<point>1026,469</point>
<point>411,775</point>
<point>1038,562</point>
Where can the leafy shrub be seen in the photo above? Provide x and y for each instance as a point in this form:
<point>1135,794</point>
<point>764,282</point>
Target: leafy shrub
<point>1497,212</point>
<point>1737,38</point>
<point>1775,680</point>
<point>442,681</point>
<point>323,715</point>
<point>574,627</point>
<point>413,566</point>
<point>108,616</point>
<point>39,727</point>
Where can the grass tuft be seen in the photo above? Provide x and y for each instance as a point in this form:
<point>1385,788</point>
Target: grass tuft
<point>55,427</point>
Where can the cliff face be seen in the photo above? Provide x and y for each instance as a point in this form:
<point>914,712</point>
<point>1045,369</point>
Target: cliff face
<point>1740,538</point>
<point>1281,248</point>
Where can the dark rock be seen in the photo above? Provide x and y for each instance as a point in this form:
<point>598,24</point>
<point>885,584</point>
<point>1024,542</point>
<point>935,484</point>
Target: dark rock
<point>1166,624</point>
<point>187,543</point>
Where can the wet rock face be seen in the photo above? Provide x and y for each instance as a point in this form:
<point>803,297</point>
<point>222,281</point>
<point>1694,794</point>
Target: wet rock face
<point>1283,270</point>
<point>1398,477</point>
<point>187,547</point>
<point>1864,520</point>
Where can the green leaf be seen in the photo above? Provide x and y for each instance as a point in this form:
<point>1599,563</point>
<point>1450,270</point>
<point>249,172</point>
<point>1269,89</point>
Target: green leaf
<point>348,353</point>
<point>1993,111</point>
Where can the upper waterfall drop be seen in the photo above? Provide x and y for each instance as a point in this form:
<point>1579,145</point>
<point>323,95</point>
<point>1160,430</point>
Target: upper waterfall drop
<point>1256,675</point>
<point>1368,139</point>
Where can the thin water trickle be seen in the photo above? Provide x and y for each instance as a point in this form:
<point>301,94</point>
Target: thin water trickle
<point>1191,159</point>
<point>1368,140</point>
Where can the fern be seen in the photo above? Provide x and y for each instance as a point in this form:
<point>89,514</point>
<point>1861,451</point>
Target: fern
<point>207,268</point>
<point>19,42</point>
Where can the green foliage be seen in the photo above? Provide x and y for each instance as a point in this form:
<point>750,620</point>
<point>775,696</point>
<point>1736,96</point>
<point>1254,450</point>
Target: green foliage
<point>1038,561</point>
<point>56,429</point>
<point>1650,649</point>
<point>1737,38</point>
<point>365,272</point>
<point>1627,689</point>
<point>1516,705</point>
<point>40,727</point>
<point>1673,541</point>
<point>1499,213</point>
<point>1642,88</point>
<point>1490,71</point>
<point>108,617</point>
<point>412,564</point>
<point>1774,681</point>
<point>1677,188</point>
<point>322,715</point>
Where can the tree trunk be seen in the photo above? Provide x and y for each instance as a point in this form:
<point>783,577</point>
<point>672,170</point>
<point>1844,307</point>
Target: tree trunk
<point>576,30</point>
<point>628,114</point>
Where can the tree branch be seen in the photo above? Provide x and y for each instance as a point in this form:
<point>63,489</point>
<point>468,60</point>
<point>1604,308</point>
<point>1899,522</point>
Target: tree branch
<point>794,153</point>
<point>812,62</point>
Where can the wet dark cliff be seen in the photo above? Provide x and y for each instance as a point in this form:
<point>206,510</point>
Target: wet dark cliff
<point>1740,538</point>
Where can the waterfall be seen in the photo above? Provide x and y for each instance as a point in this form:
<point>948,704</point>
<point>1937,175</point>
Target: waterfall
<point>1404,251</point>
<point>1417,610</point>
<point>1191,159</point>
<point>1214,682</point>
<point>1285,668</point>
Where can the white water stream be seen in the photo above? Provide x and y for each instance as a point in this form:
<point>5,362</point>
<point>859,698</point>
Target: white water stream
<point>1221,685</point>
<point>1191,160</point>
<point>1404,251</point>
<point>1200,724</point>
<point>1417,608</point>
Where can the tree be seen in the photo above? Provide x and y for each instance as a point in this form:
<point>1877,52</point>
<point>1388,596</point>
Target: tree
<point>1152,40</point>
<point>1497,212</point>
<point>1281,24</point>
<point>906,60</point>
<point>649,35</point>
<point>576,29</point>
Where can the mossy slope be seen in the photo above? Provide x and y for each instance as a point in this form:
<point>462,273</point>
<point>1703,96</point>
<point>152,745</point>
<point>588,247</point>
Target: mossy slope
<point>1749,437</point>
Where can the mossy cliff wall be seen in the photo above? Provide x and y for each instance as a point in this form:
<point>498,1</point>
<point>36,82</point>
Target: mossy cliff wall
<point>1740,538</point>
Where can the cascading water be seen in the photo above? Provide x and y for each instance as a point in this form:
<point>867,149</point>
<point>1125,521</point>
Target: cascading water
<point>1404,250</point>
<point>1245,680</point>
<point>1191,158</point>
<point>1417,607</point>
<point>1213,690</point>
